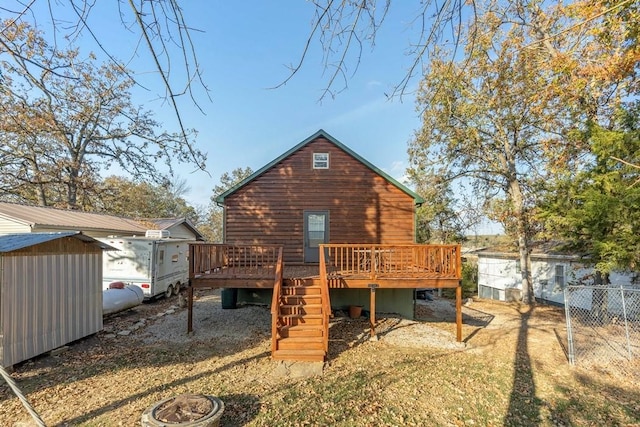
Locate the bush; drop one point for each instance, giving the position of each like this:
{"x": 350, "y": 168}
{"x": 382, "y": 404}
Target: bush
{"x": 469, "y": 282}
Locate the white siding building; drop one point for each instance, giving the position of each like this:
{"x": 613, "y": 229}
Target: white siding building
{"x": 499, "y": 275}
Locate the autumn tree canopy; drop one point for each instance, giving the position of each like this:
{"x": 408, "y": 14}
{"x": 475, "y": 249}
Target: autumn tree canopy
{"x": 516, "y": 108}
{"x": 213, "y": 227}
{"x": 159, "y": 27}
{"x": 72, "y": 119}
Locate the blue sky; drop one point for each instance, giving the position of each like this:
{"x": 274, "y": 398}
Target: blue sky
{"x": 244, "y": 50}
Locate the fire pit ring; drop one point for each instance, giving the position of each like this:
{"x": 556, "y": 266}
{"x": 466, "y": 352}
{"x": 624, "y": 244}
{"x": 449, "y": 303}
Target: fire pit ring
{"x": 185, "y": 410}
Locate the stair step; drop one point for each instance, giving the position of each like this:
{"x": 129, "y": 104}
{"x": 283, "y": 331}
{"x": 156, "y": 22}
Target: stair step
{"x": 301, "y": 290}
{"x": 301, "y": 335}
{"x": 299, "y": 355}
{"x": 301, "y": 343}
{"x": 301, "y": 299}
{"x": 301, "y": 309}
{"x": 301, "y": 331}
{"x": 299, "y": 319}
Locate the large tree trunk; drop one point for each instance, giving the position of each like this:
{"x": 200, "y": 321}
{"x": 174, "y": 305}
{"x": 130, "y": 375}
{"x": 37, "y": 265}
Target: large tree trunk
{"x": 600, "y": 299}
{"x": 72, "y": 190}
{"x": 524, "y": 249}
{"x": 42, "y": 197}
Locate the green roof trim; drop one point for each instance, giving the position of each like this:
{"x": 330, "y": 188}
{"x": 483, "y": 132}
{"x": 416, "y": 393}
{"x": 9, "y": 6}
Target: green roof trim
{"x": 321, "y": 133}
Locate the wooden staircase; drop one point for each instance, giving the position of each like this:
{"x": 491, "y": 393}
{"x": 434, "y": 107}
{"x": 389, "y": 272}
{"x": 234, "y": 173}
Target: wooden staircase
{"x": 300, "y": 322}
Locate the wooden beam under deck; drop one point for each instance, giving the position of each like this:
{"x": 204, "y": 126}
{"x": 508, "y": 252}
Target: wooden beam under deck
{"x": 218, "y": 282}
{"x": 345, "y": 282}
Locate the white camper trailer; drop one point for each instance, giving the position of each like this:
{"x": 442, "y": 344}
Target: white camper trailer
{"x": 156, "y": 263}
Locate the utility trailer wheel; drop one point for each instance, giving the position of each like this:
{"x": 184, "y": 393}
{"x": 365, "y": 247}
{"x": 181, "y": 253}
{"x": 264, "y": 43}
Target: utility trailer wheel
{"x": 168, "y": 292}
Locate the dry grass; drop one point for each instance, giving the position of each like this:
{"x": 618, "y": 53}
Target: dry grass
{"x": 513, "y": 371}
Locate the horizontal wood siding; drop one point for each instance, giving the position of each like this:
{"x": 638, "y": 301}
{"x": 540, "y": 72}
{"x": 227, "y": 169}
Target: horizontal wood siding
{"x": 363, "y": 206}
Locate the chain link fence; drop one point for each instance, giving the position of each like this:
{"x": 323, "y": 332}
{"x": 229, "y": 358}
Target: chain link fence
{"x": 603, "y": 328}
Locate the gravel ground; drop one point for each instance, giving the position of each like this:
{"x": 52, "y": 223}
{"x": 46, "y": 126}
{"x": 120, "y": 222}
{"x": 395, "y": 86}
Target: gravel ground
{"x": 165, "y": 321}
{"x": 210, "y": 321}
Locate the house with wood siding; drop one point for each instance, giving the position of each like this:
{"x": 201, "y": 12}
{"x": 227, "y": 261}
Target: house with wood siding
{"x": 320, "y": 191}
{"x": 318, "y": 229}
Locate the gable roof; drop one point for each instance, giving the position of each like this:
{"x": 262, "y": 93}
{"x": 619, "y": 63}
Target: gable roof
{"x": 167, "y": 223}
{"x": 13, "y": 242}
{"x": 38, "y": 216}
{"x": 321, "y": 133}
{"x": 539, "y": 250}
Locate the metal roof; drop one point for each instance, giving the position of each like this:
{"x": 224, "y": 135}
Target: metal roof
{"x": 37, "y": 216}
{"x": 321, "y": 133}
{"x": 13, "y": 242}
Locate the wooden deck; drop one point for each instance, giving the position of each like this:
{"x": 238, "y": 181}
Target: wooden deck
{"x": 345, "y": 266}
{"x": 341, "y": 266}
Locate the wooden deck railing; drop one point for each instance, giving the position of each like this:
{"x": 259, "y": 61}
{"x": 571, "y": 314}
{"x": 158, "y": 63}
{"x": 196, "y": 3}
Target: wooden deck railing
{"x": 326, "y": 302}
{"x": 275, "y": 302}
{"x": 375, "y": 261}
{"x": 211, "y": 259}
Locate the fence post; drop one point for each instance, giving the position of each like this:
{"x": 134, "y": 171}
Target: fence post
{"x": 626, "y": 321}
{"x": 567, "y": 311}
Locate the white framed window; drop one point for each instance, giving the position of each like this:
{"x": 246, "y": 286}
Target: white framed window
{"x": 321, "y": 160}
{"x": 559, "y": 277}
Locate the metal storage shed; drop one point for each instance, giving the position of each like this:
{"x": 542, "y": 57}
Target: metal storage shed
{"x": 50, "y": 292}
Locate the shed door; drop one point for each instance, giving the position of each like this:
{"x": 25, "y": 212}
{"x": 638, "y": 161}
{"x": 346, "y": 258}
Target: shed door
{"x": 316, "y": 231}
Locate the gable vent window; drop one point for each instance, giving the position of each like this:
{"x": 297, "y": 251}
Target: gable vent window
{"x": 321, "y": 160}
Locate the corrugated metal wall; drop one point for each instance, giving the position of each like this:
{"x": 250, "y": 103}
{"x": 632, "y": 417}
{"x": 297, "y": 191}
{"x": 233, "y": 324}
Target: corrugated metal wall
{"x": 48, "y": 300}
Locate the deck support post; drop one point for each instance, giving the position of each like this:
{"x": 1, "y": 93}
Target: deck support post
{"x": 372, "y": 309}
{"x": 459, "y": 312}
{"x": 190, "y": 310}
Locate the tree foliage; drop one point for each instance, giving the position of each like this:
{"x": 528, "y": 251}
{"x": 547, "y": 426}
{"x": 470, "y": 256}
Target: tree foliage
{"x": 486, "y": 120}
{"x": 213, "y": 228}
{"x": 445, "y": 217}
{"x": 73, "y": 119}
{"x": 595, "y": 210}
{"x": 123, "y": 197}
{"x": 159, "y": 25}
{"x": 513, "y": 112}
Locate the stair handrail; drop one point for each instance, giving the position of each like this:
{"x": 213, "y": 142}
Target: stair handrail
{"x": 324, "y": 292}
{"x": 275, "y": 302}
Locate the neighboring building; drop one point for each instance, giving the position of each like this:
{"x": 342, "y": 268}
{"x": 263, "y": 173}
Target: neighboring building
{"x": 499, "y": 274}
{"x": 16, "y": 218}
{"x": 50, "y": 292}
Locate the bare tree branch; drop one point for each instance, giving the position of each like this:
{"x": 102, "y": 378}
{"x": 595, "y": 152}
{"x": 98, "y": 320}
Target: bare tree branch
{"x": 343, "y": 28}
{"x": 160, "y": 23}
